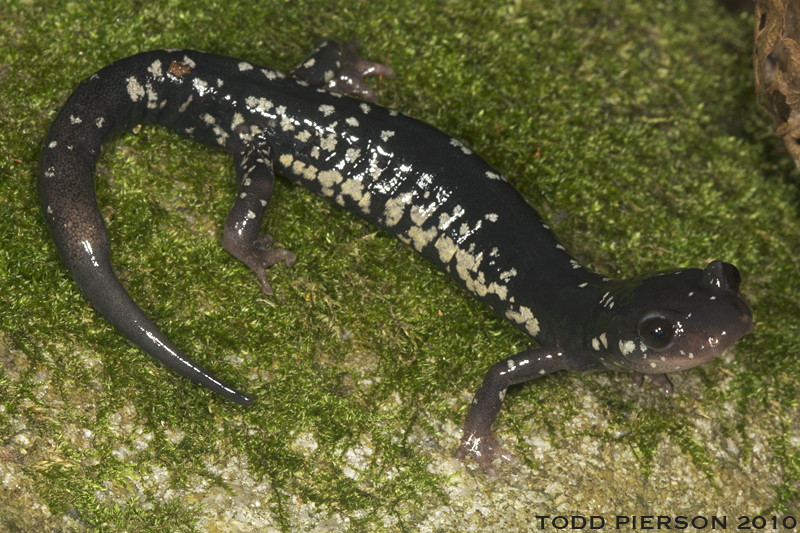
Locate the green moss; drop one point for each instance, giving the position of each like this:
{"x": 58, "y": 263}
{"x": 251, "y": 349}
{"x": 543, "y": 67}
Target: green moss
{"x": 631, "y": 127}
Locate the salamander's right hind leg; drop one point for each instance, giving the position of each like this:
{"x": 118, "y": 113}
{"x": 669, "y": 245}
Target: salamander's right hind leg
{"x": 341, "y": 71}
{"x": 242, "y": 238}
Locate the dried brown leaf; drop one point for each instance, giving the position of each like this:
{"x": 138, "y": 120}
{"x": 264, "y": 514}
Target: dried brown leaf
{"x": 776, "y": 60}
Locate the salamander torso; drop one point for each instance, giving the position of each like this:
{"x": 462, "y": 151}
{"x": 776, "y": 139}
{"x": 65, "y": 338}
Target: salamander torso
{"x": 406, "y": 177}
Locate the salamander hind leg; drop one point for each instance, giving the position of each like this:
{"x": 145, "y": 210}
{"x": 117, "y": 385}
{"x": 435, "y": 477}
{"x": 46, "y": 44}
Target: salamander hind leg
{"x": 341, "y": 71}
{"x": 242, "y": 238}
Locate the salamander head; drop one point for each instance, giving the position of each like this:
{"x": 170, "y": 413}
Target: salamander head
{"x": 674, "y": 320}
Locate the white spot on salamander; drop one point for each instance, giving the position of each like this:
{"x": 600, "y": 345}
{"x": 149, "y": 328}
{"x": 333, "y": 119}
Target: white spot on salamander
{"x": 135, "y": 89}
{"x": 245, "y": 66}
{"x": 327, "y": 110}
{"x": 200, "y": 86}
{"x": 459, "y": 144}
{"x": 524, "y": 316}
{"x": 259, "y": 105}
{"x": 627, "y": 347}
{"x": 352, "y": 154}
{"x": 184, "y": 105}
{"x": 351, "y": 121}
{"x": 386, "y": 135}
{"x": 494, "y": 176}
{"x": 508, "y": 274}
{"x": 238, "y": 119}
{"x": 155, "y": 68}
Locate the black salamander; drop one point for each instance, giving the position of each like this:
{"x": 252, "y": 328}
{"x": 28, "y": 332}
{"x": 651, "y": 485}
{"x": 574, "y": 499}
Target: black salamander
{"x": 406, "y": 177}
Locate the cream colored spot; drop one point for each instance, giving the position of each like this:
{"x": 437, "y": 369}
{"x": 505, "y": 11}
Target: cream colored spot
{"x": 184, "y": 105}
{"x": 365, "y": 203}
{"x": 421, "y": 238}
{"x": 353, "y": 188}
{"x": 287, "y": 124}
{"x": 135, "y": 89}
{"x": 446, "y": 219}
{"x": 524, "y": 316}
{"x": 286, "y": 160}
{"x": 505, "y": 276}
{"x": 459, "y": 144}
{"x": 627, "y": 347}
{"x": 238, "y": 120}
{"x": 419, "y": 214}
{"x": 395, "y": 208}
{"x": 308, "y": 172}
{"x": 259, "y": 105}
{"x": 446, "y": 247}
{"x": 155, "y": 68}
{"x": 327, "y": 110}
{"x": 329, "y": 178}
{"x": 328, "y": 142}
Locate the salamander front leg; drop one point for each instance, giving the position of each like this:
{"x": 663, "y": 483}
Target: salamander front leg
{"x": 242, "y": 239}
{"x": 658, "y": 379}
{"x": 478, "y": 440}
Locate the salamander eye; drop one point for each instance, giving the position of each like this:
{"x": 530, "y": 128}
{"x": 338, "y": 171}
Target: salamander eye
{"x": 656, "y": 330}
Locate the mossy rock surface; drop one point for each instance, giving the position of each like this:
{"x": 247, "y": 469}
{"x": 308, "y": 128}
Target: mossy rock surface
{"x": 632, "y": 128}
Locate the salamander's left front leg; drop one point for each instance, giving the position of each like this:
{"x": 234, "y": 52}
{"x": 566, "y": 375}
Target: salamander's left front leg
{"x": 242, "y": 239}
{"x": 478, "y": 440}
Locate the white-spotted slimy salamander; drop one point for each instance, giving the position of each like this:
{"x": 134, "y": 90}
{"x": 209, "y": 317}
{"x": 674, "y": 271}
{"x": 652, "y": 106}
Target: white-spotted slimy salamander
{"x": 406, "y": 177}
